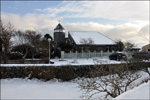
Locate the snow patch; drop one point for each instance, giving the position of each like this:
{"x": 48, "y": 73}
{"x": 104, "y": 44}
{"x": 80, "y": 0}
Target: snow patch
{"x": 141, "y": 92}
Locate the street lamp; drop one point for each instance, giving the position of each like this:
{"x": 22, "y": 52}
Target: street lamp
{"x": 49, "y": 40}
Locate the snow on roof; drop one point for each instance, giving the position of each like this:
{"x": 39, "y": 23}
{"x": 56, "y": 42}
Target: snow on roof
{"x": 97, "y": 37}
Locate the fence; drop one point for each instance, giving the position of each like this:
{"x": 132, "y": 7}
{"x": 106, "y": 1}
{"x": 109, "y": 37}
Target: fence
{"x": 78, "y": 55}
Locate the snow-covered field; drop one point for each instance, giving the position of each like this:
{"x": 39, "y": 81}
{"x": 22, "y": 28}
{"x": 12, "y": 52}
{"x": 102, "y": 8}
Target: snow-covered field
{"x": 54, "y": 89}
{"x": 61, "y": 62}
{"x": 35, "y": 89}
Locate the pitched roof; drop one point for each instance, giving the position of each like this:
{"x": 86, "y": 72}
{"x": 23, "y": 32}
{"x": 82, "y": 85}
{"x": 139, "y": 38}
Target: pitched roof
{"x": 97, "y": 37}
{"x": 59, "y": 26}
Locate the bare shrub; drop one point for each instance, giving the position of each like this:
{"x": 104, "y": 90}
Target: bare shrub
{"x": 114, "y": 81}
{"x": 139, "y": 64}
{"x": 43, "y": 73}
{"x": 145, "y": 80}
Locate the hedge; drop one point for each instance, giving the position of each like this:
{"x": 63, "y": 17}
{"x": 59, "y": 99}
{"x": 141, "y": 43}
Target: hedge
{"x": 65, "y": 73}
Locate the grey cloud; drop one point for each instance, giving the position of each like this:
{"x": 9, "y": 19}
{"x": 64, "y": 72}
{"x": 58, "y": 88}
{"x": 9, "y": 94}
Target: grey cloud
{"x": 46, "y": 23}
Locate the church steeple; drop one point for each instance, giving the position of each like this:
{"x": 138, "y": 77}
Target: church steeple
{"x": 59, "y": 34}
{"x": 59, "y": 28}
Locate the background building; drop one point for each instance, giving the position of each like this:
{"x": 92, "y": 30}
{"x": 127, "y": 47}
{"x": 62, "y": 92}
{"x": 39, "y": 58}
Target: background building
{"x": 84, "y": 40}
{"x": 91, "y": 41}
{"x": 146, "y": 47}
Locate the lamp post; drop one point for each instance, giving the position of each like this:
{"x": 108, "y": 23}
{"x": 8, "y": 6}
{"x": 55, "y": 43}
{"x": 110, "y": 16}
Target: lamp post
{"x": 49, "y": 40}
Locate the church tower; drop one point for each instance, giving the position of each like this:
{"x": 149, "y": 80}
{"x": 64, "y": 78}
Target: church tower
{"x": 59, "y": 34}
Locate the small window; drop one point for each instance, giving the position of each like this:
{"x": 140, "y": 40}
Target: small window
{"x": 61, "y": 30}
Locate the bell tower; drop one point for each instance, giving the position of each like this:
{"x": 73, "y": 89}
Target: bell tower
{"x": 59, "y": 34}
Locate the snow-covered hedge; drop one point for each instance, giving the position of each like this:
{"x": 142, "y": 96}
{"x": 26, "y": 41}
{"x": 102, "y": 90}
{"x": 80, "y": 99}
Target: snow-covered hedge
{"x": 65, "y": 73}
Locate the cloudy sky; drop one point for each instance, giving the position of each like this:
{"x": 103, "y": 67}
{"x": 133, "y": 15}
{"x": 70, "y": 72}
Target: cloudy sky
{"x": 125, "y": 20}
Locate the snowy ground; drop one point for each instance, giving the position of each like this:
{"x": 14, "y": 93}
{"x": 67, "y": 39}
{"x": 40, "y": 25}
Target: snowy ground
{"x": 141, "y": 92}
{"x": 35, "y": 89}
{"x": 61, "y": 62}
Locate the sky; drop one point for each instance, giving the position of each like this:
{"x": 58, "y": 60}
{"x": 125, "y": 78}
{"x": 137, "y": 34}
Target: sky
{"x": 119, "y": 20}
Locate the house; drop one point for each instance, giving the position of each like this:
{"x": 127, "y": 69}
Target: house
{"x": 146, "y": 47}
{"x": 84, "y": 40}
{"x": 91, "y": 41}
{"x": 135, "y": 49}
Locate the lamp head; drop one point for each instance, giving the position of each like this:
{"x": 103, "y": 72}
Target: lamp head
{"x": 49, "y": 39}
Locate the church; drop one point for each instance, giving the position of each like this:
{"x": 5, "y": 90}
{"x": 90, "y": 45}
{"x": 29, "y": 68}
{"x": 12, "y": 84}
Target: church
{"x": 84, "y": 41}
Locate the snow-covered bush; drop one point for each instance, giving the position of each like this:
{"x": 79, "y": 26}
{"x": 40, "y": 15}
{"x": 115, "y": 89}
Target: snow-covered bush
{"x": 64, "y": 73}
{"x": 113, "y": 81}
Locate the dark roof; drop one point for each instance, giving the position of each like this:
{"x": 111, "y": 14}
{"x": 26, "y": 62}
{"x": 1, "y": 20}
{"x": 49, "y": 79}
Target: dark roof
{"x": 59, "y": 26}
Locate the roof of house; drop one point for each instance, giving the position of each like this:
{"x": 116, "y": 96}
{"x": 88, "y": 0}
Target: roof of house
{"x": 97, "y": 37}
{"x": 59, "y": 26}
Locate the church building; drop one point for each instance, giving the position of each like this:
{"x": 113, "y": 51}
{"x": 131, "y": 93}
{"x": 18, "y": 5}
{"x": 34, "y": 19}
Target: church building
{"x": 84, "y": 41}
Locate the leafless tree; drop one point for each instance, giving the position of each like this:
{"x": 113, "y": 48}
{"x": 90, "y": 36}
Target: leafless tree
{"x": 87, "y": 42}
{"x": 144, "y": 34}
{"x": 128, "y": 45}
{"x": 22, "y": 39}
{"x": 6, "y": 34}
{"x": 113, "y": 82}
{"x": 31, "y": 39}
{"x": 34, "y": 40}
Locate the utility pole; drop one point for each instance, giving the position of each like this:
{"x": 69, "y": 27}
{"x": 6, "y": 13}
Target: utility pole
{"x": 49, "y": 40}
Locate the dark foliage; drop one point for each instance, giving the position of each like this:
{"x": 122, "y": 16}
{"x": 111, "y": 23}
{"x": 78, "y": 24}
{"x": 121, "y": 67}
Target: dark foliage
{"x": 65, "y": 73}
{"x": 66, "y": 46}
{"x": 21, "y": 49}
{"x": 120, "y": 45}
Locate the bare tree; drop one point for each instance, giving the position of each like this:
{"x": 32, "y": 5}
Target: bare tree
{"x": 113, "y": 82}
{"x": 128, "y": 45}
{"x": 22, "y": 39}
{"x": 34, "y": 40}
{"x": 143, "y": 33}
{"x": 87, "y": 42}
{"x": 0, "y": 49}
{"x": 1, "y": 42}
{"x": 6, "y": 34}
